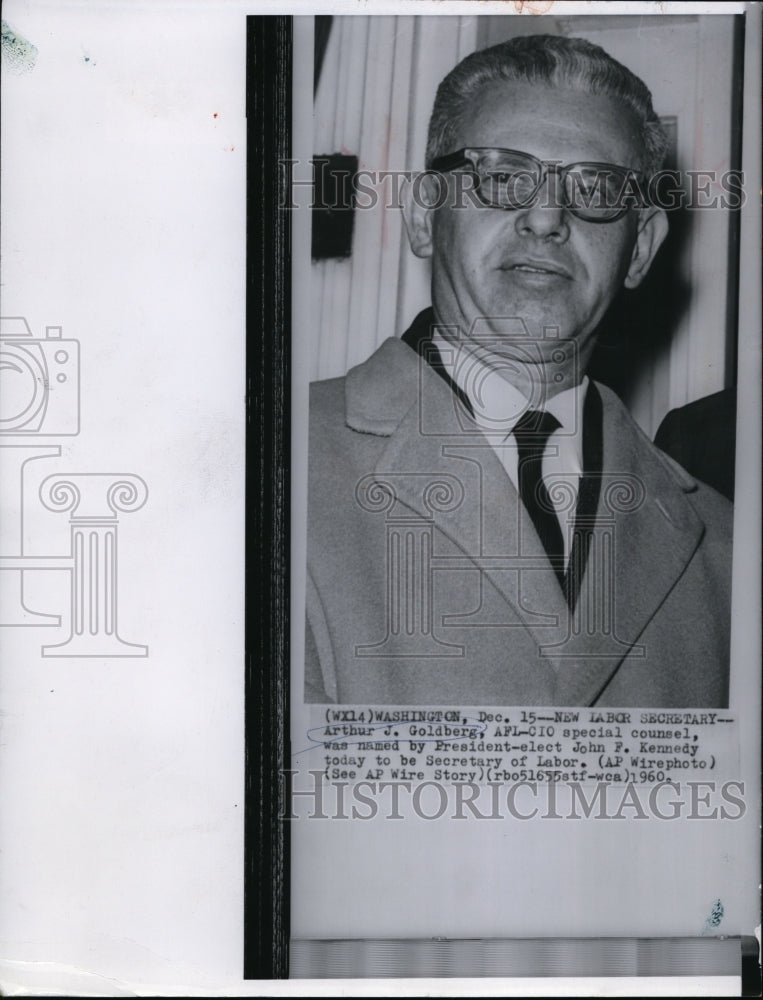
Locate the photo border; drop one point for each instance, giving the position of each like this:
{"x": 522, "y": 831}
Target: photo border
{"x": 268, "y": 350}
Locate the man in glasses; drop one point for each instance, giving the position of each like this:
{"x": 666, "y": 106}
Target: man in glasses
{"x": 487, "y": 525}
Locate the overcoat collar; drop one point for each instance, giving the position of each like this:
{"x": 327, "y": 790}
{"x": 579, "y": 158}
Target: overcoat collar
{"x": 646, "y": 529}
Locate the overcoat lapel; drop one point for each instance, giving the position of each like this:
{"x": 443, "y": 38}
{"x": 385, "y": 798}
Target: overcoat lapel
{"x": 645, "y": 532}
{"x": 441, "y": 467}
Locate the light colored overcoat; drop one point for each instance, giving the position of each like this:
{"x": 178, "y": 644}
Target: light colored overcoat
{"x": 427, "y": 583}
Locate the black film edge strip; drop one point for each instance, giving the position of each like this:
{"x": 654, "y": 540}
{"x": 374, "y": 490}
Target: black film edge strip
{"x": 268, "y": 320}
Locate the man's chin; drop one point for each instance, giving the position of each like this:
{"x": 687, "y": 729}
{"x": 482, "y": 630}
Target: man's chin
{"x": 538, "y": 320}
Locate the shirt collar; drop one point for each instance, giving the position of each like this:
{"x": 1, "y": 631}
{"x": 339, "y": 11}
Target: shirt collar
{"x": 567, "y": 406}
{"x": 498, "y": 403}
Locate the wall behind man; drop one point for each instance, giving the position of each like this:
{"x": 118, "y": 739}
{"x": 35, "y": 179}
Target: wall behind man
{"x": 377, "y": 85}
{"x": 665, "y": 345}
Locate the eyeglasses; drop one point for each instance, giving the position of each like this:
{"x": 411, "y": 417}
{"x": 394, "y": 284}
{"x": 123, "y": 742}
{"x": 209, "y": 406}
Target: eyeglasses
{"x": 509, "y": 179}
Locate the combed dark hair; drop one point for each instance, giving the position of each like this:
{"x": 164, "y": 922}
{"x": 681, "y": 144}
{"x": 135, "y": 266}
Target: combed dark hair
{"x": 547, "y": 59}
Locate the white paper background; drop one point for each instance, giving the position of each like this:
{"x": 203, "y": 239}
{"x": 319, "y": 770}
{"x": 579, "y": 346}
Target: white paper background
{"x": 123, "y": 182}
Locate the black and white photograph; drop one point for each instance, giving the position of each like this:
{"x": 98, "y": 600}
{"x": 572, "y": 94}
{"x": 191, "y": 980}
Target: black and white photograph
{"x": 489, "y": 518}
{"x": 522, "y": 352}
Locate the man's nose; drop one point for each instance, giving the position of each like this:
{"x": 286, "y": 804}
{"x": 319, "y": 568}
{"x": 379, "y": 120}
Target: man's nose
{"x": 546, "y": 218}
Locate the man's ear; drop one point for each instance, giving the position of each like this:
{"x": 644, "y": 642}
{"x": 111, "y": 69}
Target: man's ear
{"x": 652, "y": 230}
{"x": 418, "y": 196}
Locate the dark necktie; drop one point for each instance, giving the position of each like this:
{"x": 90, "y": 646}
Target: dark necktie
{"x": 532, "y": 432}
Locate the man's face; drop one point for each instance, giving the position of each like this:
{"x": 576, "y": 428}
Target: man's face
{"x": 541, "y": 263}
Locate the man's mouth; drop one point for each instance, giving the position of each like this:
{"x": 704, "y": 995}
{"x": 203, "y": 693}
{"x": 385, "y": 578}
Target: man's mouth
{"x": 537, "y": 267}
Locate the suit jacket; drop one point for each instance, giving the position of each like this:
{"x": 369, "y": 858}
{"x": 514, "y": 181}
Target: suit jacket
{"x": 701, "y": 437}
{"x": 427, "y": 583}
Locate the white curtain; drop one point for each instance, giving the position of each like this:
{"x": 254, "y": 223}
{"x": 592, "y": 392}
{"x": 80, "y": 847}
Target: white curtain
{"x": 375, "y": 96}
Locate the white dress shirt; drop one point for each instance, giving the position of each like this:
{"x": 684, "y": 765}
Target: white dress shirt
{"x": 498, "y": 404}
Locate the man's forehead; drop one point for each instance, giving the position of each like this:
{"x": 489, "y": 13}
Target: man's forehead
{"x": 562, "y": 122}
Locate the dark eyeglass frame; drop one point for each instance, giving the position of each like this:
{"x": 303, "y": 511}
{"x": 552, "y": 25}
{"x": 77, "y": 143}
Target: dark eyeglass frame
{"x": 462, "y": 157}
